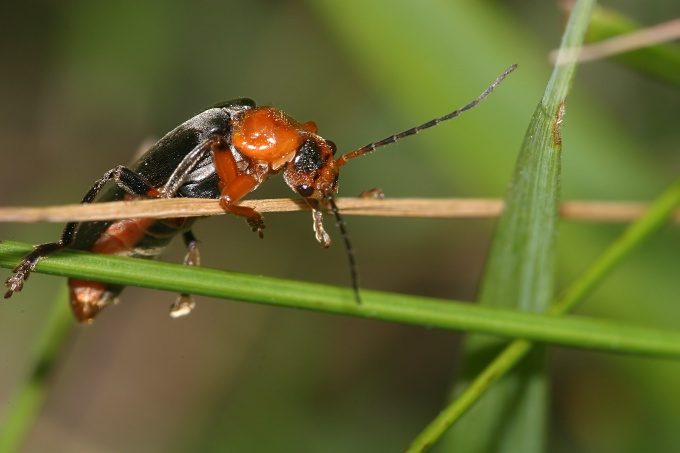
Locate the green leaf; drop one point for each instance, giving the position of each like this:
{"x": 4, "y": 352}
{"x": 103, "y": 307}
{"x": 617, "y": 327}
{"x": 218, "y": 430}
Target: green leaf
{"x": 520, "y": 272}
{"x": 415, "y": 310}
{"x": 22, "y": 410}
{"x": 421, "y": 311}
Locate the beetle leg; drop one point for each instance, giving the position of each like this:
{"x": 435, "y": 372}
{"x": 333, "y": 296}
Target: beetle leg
{"x": 28, "y": 263}
{"x": 127, "y": 179}
{"x": 319, "y": 231}
{"x": 234, "y": 186}
{"x": 182, "y": 171}
{"x": 232, "y": 194}
{"x": 185, "y": 303}
{"x": 376, "y": 194}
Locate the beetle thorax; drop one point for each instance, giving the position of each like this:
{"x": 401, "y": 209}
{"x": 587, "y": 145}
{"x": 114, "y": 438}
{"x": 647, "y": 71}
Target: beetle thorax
{"x": 267, "y": 134}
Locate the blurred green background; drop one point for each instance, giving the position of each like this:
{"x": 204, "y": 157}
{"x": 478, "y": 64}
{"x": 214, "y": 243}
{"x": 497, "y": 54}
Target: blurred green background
{"x": 85, "y": 84}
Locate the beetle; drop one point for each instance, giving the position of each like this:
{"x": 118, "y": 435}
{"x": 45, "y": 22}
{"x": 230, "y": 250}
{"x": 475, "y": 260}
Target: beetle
{"x": 224, "y": 152}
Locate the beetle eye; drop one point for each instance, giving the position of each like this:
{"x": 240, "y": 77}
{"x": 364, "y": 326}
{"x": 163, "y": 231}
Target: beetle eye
{"x": 333, "y": 146}
{"x": 305, "y": 190}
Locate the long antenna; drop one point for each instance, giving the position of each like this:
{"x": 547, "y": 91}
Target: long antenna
{"x": 342, "y": 160}
{"x": 354, "y": 275}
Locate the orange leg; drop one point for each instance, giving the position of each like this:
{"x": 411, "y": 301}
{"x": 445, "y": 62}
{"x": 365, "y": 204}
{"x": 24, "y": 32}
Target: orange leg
{"x": 234, "y": 186}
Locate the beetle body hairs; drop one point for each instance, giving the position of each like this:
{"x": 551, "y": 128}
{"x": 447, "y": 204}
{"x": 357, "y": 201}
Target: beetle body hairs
{"x": 224, "y": 152}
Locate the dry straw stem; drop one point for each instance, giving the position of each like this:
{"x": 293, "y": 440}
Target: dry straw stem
{"x": 401, "y": 207}
{"x": 657, "y": 34}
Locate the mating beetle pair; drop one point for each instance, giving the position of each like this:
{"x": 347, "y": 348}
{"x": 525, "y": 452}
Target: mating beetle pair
{"x": 224, "y": 152}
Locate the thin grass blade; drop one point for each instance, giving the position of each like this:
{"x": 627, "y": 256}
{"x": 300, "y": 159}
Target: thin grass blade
{"x": 512, "y": 416}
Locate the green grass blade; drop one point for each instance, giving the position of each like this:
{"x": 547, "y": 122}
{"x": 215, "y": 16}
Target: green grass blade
{"x": 22, "y": 410}
{"x": 421, "y": 311}
{"x": 520, "y": 272}
{"x": 658, "y": 215}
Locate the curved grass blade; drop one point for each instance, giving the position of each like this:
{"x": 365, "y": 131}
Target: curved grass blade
{"x": 512, "y": 416}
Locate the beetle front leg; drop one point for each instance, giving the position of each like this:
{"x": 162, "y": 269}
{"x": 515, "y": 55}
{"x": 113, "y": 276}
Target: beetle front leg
{"x": 234, "y": 186}
{"x": 127, "y": 179}
{"x": 319, "y": 232}
{"x": 232, "y": 194}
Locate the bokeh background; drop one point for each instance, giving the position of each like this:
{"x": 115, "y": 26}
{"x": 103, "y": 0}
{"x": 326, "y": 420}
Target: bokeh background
{"x": 85, "y": 84}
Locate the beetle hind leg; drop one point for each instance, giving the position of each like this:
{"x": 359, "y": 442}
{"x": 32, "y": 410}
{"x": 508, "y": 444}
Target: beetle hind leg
{"x": 15, "y": 283}
{"x": 185, "y": 303}
{"x": 124, "y": 177}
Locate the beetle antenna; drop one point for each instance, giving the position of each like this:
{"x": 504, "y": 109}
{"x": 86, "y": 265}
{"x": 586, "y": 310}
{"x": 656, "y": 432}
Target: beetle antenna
{"x": 342, "y": 160}
{"x": 354, "y": 275}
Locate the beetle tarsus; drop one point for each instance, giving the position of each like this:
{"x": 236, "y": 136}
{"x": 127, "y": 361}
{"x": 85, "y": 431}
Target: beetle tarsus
{"x": 372, "y": 194}
{"x": 321, "y": 235}
{"x": 23, "y": 270}
{"x": 16, "y": 282}
{"x": 184, "y": 305}
{"x": 256, "y": 224}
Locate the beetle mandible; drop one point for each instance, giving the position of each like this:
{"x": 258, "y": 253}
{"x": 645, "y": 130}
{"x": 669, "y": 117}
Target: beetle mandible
{"x": 224, "y": 152}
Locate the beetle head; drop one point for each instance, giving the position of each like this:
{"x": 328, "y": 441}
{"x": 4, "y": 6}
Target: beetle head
{"x": 312, "y": 173}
